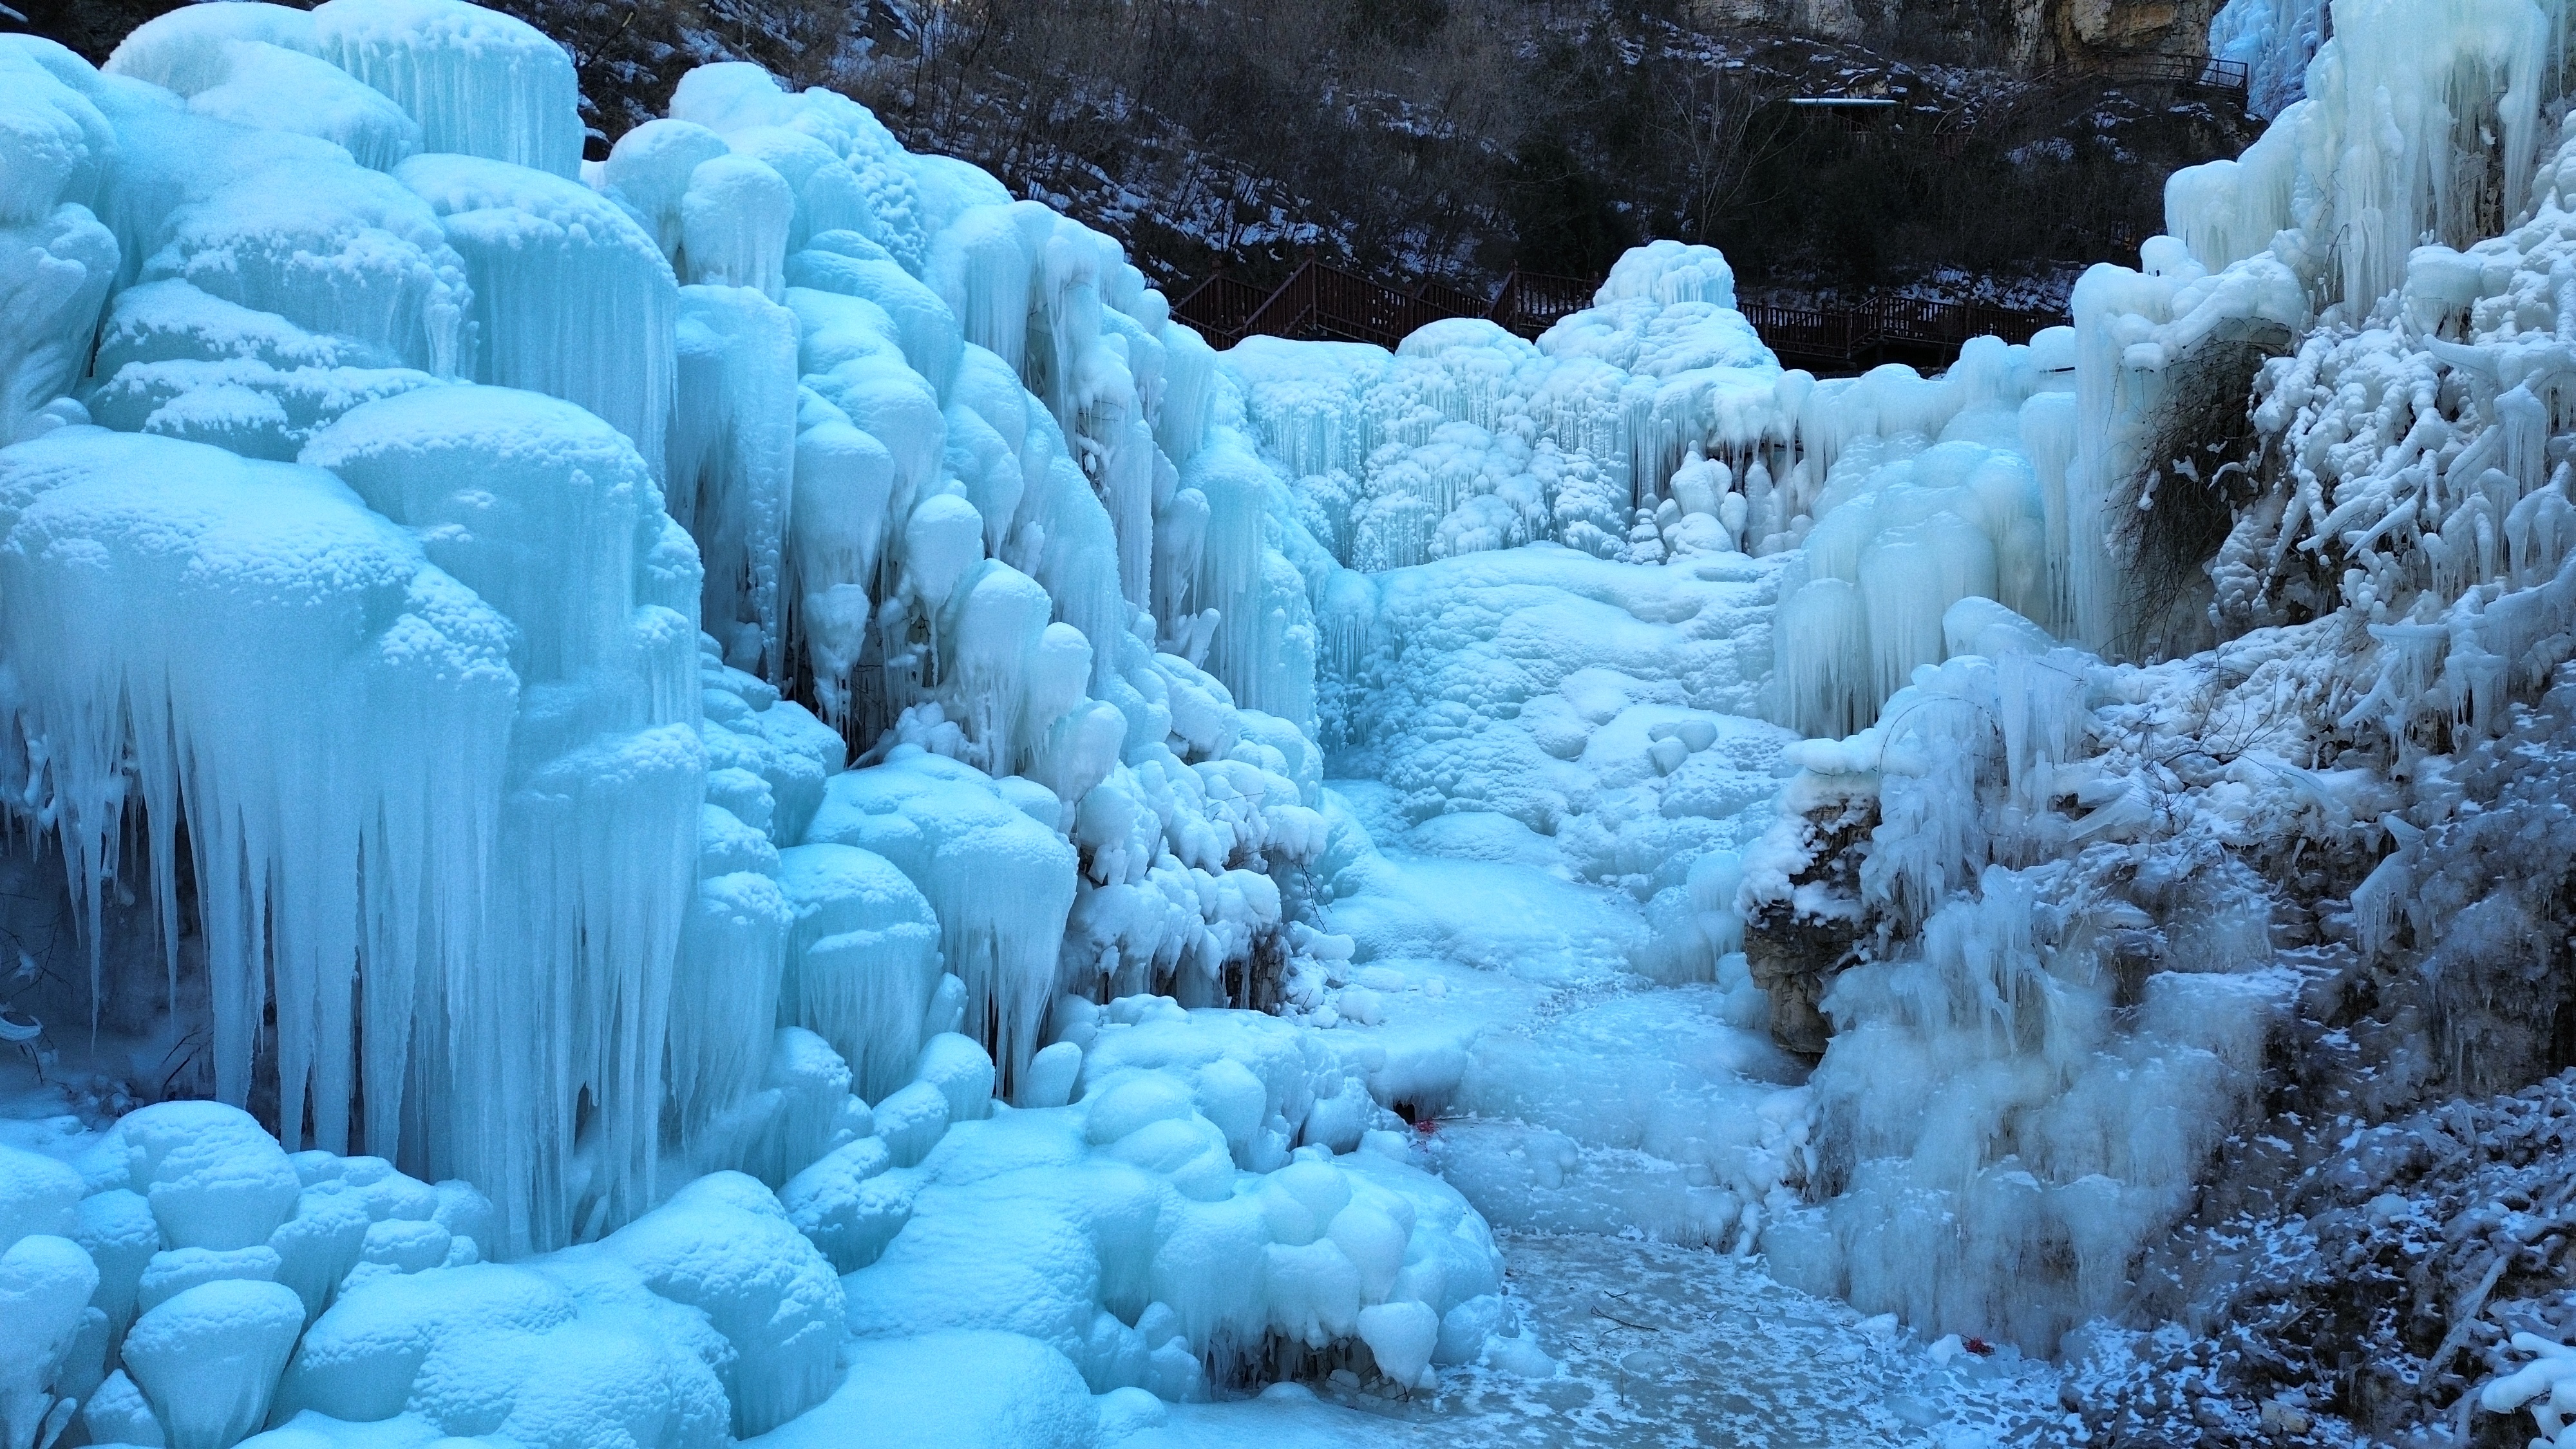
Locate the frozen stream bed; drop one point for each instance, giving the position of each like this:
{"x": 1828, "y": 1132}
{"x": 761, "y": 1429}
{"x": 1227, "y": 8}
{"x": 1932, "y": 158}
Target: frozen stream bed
{"x": 1560, "y": 1090}
{"x": 1668, "y": 1346}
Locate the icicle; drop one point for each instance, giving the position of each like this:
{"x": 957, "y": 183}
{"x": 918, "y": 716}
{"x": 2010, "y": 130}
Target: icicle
{"x": 999, "y": 882}
{"x": 331, "y": 843}
{"x": 733, "y": 456}
{"x": 1821, "y": 659}
{"x": 862, "y": 960}
{"x": 480, "y": 83}
{"x": 570, "y": 297}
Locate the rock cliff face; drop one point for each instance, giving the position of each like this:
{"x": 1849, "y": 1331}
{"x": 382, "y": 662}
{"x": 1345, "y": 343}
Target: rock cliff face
{"x": 2077, "y": 31}
{"x": 1834, "y": 19}
{"x": 2023, "y": 35}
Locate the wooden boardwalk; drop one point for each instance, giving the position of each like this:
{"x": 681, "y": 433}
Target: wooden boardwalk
{"x": 1321, "y": 302}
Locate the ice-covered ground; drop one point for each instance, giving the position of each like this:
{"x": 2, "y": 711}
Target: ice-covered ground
{"x": 1556, "y": 1088}
{"x": 1669, "y": 1346}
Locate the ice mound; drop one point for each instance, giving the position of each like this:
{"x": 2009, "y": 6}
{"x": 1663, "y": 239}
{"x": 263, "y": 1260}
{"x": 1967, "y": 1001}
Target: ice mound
{"x": 708, "y": 1316}
{"x": 1469, "y": 439}
{"x": 1168, "y": 1230}
{"x": 977, "y": 1389}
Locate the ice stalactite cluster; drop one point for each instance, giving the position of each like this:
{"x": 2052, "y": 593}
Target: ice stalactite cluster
{"x": 2033, "y": 893}
{"x": 2274, "y": 40}
{"x": 2413, "y": 447}
{"x": 158, "y": 587}
{"x": 422, "y": 558}
{"x": 494, "y": 375}
{"x": 2054, "y": 992}
{"x": 2422, "y": 460}
{"x": 1468, "y": 439}
{"x": 1654, "y": 426}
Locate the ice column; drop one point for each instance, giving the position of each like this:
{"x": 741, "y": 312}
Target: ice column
{"x": 554, "y": 1103}
{"x": 325, "y": 709}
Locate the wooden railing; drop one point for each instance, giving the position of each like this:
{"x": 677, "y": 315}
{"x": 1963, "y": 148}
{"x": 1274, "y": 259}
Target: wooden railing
{"x": 1219, "y": 306}
{"x": 1320, "y": 302}
{"x": 1531, "y": 302}
{"x": 2233, "y": 77}
{"x": 1884, "y": 329}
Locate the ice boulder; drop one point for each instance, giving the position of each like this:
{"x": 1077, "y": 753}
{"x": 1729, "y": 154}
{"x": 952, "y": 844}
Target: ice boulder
{"x": 38, "y": 1194}
{"x": 961, "y": 1072}
{"x": 175, "y": 1272}
{"x": 57, "y": 261}
{"x": 209, "y": 1359}
{"x": 1401, "y": 1336}
{"x": 959, "y": 1389}
{"x": 186, "y": 51}
{"x": 273, "y": 88}
{"x": 649, "y": 169}
{"x": 734, "y": 221}
{"x": 365, "y": 1358}
{"x": 213, "y": 1175}
{"x": 862, "y": 960}
{"x": 117, "y": 1413}
{"x": 846, "y": 1206}
{"x": 45, "y": 1287}
{"x": 911, "y": 1121}
{"x": 318, "y": 1246}
{"x": 55, "y": 271}
{"x": 723, "y": 1246}
{"x": 116, "y": 1228}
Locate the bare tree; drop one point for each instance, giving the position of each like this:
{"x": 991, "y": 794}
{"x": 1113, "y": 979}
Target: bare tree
{"x": 1720, "y": 125}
